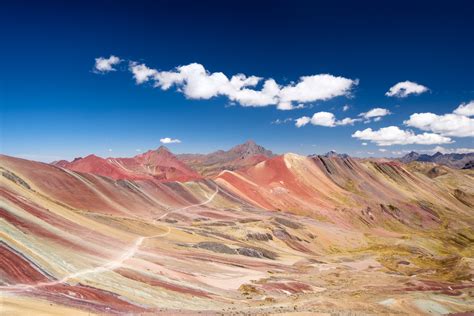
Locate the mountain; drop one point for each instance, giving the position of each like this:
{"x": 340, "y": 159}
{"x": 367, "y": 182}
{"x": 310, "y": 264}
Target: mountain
{"x": 159, "y": 164}
{"x": 412, "y": 156}
{"x": 331, "y": 154}
{"x": 61, "y": 163}
{"x": 240, "y": 156}
{"x": 279, "y": 236}
{"x": 451, "y": 160}
{"x": 273, "y": 226}
{"x": 305, "y": 185}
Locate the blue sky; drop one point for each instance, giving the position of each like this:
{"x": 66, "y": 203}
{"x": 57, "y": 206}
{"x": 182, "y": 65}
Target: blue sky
{"x": 54, "y": 104}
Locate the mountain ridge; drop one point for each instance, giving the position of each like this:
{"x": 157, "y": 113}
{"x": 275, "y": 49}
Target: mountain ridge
{"x": 453, "y": 160}
{"x": 159, "y": 164}
{"x": 283, "y": 222}
{"x": 237, "y": 157}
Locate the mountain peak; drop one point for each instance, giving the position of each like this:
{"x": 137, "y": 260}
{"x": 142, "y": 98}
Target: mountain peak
{"x": 449, "y": 159}
{"x": 163, "y": 149}
{"x": 159, "y": 164}
{"x": 251, "y": 148}
{"x": 238, "y": 157}
{"x": 250, "y": 142}
{"x": 411, "y": 156}
{"x": 333, "y": 153}
{"x": 92, "y": 157}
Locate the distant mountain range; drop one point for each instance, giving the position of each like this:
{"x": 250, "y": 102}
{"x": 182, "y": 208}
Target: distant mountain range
{"x": 459, "y": 161}
{"x": 162, "y": 165}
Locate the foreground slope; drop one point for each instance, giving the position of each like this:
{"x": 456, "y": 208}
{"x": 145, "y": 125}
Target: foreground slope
{"x": 289, "y": 234}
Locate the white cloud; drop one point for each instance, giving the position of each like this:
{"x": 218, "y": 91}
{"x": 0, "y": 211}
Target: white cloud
{"x": 195, "y": 82}
{"x": 375, "y": 112}
{"x": 346, "y": 107}
{"x": 393, "y": 135}
{"x": 382, "y": 150}
{"x": 447, "y": 124}
{"x": 168, "y": 140}
{"x": 457, "y": 124}
{"x": 103, "y": 65}
{"x": 405, "y": 88}
{"x": 466, "y": 109}
{"x": 347, "y": 121}
{"x": 364, "y": 144}
{"x": 141, "y": 72}
{"x": 326, "y": 119}
{"x": 316, "y": 87}
{"x": 302, "y": 121}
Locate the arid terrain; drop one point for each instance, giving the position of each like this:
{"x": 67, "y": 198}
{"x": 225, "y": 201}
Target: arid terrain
{"x": 242, "y": 231}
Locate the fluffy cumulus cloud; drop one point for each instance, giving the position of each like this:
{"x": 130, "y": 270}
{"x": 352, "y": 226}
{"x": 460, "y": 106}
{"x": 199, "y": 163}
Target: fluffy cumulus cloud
{"x": 168, "y": 140}
{"x": 141, "y": 73}
{"x": 302, "y": 121}
{"x": 103, "y": 65}
{"x": 347, "y": 121}
{"x": 465, "y": 109}
{"x": 314, "y": 88}
{"x": 458, "y": 124}
{"x": 393, "y": 135}
{"x": 196, "y": 82}
{"x": 326, "y": 119}
{"x": 376, "y": 112}
{"x": 405, "y": 88}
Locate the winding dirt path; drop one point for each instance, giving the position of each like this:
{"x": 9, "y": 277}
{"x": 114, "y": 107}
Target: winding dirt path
{"x": 111, "y": 265}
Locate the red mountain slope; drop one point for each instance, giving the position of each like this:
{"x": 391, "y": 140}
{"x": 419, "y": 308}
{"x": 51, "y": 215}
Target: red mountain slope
{"x": 159, "y": 164}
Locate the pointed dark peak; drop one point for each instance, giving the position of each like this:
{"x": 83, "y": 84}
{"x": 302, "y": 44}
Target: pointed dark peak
{"x": 411, "y": 156}
{"x": 250, "y": 148}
